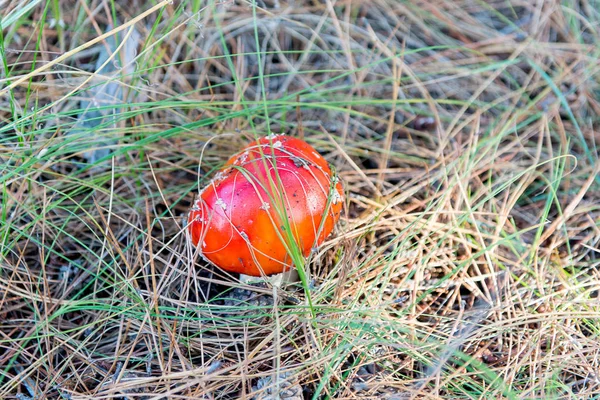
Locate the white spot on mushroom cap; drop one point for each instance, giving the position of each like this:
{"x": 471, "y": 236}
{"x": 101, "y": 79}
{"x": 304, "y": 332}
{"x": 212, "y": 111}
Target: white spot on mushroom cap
{"x": 265, "y": 206}
{"x": 219, "y": 176}
{"x": 336, "y": 197}
{"x": 221, "y": 203}
{"x": 242, "y": 158}
{"x": 273, "y": 135}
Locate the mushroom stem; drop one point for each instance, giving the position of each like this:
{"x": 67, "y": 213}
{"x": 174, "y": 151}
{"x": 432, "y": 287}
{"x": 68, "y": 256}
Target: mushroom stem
{"x": 278, "y": 280}
{"x": 249, "y": 279}
{"x": 285, "y": 278}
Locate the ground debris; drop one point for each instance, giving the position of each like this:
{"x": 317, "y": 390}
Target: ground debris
{"x": 284, "y": 389}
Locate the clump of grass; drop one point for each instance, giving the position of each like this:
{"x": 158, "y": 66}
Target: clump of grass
{"x": 465, "y": 266}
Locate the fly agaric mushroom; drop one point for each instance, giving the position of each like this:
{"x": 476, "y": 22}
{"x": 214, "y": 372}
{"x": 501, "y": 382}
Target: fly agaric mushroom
{"x": 276, "y": 190}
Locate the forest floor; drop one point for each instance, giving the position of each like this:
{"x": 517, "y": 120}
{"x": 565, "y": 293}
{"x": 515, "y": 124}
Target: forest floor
{"x": 466, "y": 261}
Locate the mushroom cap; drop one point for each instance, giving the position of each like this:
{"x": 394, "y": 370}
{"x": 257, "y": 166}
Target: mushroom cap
{"x": 275, "y": 185}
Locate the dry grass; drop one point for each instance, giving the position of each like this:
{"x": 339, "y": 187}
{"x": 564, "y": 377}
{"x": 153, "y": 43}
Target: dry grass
{"x": 466, "y": 134}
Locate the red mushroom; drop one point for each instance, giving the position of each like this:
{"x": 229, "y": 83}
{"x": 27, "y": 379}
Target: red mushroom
{"x": 276, "y": 190}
